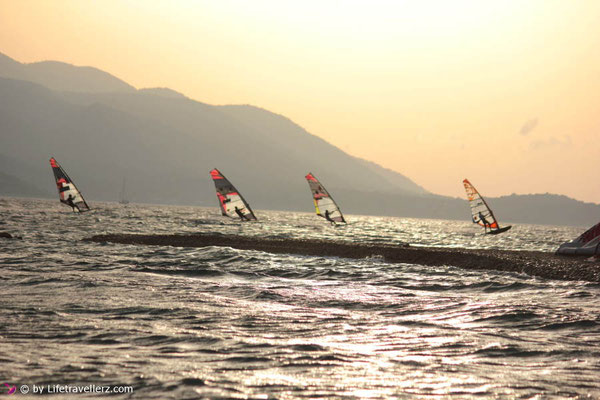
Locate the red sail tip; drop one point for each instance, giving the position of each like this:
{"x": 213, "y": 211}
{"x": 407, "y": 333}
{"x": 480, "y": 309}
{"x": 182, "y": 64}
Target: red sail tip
{"x": 215, "y": 174}
{"x": 310, "y": 177}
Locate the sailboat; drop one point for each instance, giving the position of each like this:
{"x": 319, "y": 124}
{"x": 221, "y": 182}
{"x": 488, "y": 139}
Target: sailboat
{"x": 325, "y": 206}
{"x": 67, "y": 191}
{"x": 231, "y": 202}
{"x": 481, "y": 212}
{"x": 122, "y": 198}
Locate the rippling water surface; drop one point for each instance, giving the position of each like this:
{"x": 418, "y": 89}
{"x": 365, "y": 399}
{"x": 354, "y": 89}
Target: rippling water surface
{"x": 223, "y": 323}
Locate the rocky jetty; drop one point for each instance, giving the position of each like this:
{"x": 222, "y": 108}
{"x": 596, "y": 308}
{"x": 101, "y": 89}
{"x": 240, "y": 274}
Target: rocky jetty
{"x": 536, "y": 263}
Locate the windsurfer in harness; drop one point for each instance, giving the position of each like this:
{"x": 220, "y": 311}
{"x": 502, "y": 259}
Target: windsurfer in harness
{"x": 69, "y": 202}
{"x": 241, "y": 214}
{"x": 328, "y": 218}
{"x": 484, "y": 221}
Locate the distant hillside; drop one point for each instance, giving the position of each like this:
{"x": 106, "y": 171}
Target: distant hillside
{"x": 546, "y": 208}
{"x": 63, "y": 77}
{"x": 164, "y": 92}
{"x": 102, "y": 130}
{"x": 16, "y": 187}
{"x": 328, "y": 162}
{"x": 165, "y": 146}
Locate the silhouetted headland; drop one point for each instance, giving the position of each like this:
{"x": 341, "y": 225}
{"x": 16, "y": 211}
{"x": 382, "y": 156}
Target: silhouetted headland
{"x": 536, "y": 263}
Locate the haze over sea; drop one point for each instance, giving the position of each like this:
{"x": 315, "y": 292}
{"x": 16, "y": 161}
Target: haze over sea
{"x": 216, "y": 322}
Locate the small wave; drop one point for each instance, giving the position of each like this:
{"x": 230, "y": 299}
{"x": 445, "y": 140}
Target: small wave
{"x": 580, "y": 294}
{"x": 38, "y": 281}
{"x": 505, "y": 287}
{"x": 37, "y": 312}
{"x": 204, "y": 221}
{"x": 416, "y": 324}
{"x": 154, "y": 340}
{"x": 507, "y": 351}
{"x": 268, "y": 295}
{"x": 352, "y": 305}
{"x": 192, "y": 382}
{"x": 314, "y": 361}
{"x": 581, "y": 324}
{"x": 88, "y": 285}
{"x": 78, "y": 369}
{"x": 308, "y": 347}
{"x": 105, "y": 339}
{"x": 511, "y": 317}
{"x": 247, "y": 359}
{"x": 181, "y": 272}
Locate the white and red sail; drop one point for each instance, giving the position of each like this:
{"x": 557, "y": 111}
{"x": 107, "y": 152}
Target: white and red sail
{"x": 231, "y": 202}
{"x": 325, "y": 206}
{"x": 481, "y": 213}
{"x": 67, "y": 191}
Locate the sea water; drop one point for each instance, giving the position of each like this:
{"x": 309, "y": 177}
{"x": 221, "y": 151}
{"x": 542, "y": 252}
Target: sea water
{"x": 160, "y": 322}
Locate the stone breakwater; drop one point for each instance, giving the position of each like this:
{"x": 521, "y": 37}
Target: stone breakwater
{"x": 536, "y": 263}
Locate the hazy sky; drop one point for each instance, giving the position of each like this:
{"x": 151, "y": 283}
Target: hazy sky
{"x": 506, "y": 93}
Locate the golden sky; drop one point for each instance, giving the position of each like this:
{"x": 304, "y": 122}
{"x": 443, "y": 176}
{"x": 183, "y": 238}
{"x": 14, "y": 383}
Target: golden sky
{"x": 506, "y": 93}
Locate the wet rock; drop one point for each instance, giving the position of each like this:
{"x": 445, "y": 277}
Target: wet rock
{"x": 537, "y": 263}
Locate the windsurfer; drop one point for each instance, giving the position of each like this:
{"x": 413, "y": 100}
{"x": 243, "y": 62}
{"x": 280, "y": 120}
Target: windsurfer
{"x": 69, "y": 202}
{"x": 241, "y": 214}
{"x": 484, "y": 221}
{"x": 328, "y": 218}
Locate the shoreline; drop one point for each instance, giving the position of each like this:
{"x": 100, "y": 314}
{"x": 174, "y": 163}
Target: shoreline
{"x": 535, "y": 263}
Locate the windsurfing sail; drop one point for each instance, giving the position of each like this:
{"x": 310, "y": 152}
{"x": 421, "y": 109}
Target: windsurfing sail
{"x": 481, "y": 213}
{"x": 586, "y": 244}
{"x": 67, "y": 191}
{"x": 324, "y": 203}
{"x": 231, "y": 202}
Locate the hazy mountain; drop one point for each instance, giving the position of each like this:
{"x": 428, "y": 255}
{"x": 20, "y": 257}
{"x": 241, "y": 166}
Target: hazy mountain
{"x": 546, "y": 208}
{"x": 166, "y": 146}
{"x": 15, "y": 187}
{"x": 102, "y": 130}
{"x": 164, "y": 92}
{"x": 63, "y": 77}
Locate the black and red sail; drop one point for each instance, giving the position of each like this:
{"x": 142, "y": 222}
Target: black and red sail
{"x": 231, "y": 202}
{"x": 67, "y": 191}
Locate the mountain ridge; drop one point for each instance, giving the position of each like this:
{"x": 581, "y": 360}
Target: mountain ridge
{"x": 60, "y": 76}
{"x": 165, "y": 144}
